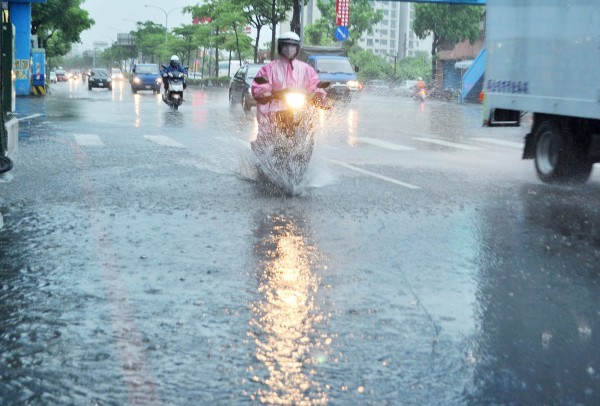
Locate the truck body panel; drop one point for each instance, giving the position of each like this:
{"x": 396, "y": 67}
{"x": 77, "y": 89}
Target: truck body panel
{"x": 543, "y": 56}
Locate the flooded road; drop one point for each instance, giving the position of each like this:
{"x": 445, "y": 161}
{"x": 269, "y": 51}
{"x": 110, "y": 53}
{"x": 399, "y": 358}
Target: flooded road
{"x": 143, "y": 263}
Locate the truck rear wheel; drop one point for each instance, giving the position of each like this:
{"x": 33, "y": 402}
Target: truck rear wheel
{"x": 558, "y": 158}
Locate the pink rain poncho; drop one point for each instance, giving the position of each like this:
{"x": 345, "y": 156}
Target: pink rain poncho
{"x": 282, "y": 75}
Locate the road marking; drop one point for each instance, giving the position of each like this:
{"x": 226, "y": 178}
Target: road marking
{"x": 88, "y": 139}
{"x": 447, "y": 144}
{"x": 375, "y": 175}
{"x": 503, "y": 143}
{"x": 164, "y": 140}
{"x": 30, "y": 117}
{"x": 384, "y": 144}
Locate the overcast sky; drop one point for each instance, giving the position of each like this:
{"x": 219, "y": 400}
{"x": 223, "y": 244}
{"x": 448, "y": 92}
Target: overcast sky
{"x": 119, "y": 16}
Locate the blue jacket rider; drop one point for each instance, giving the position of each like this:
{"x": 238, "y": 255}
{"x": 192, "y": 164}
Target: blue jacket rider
{"x": 174, "y": 66}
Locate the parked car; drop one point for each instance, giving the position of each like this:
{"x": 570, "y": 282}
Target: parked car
{"x": 116, "y": 74}
{"x": 146, "y": 76}
{"x": 240, "y": 86}
{"x": 53, "y": 78}
{"x": 61, "y": 76}
{"x": 99, "y": 78}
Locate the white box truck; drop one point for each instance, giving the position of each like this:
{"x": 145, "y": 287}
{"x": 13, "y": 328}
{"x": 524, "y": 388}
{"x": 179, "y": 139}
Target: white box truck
{"x": 543, "y": 58}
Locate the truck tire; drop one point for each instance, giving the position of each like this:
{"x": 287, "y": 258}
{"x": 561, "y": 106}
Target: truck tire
{"x": 558, "y": 159}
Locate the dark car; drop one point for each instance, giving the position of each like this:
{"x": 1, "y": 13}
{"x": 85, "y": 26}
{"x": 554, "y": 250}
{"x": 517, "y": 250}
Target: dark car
{"x": 241, "y": 85}
{"x": 146, "y": 76}
{"x": 99, "y": 78}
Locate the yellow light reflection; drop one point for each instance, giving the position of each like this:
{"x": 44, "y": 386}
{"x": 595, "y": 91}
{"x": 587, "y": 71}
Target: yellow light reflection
{"x": 352, "y": 127}
{"x": 117, "y": 90}
{"x": 137, "y": 101}
{"x": 284, "y": 326}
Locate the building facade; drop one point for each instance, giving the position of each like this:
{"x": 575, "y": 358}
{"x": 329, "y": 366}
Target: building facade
{"x": 393, "y": 35}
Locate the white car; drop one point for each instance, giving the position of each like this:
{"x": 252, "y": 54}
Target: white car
{"x": 116, "y": 74}
{"x": 53, "y": 78}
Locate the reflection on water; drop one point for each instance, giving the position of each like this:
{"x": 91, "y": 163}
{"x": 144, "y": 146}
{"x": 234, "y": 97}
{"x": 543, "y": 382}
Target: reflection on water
{"x": 284, "y": 326}
{"x": 540, "y": 300}
{"x": 173, "y": 118}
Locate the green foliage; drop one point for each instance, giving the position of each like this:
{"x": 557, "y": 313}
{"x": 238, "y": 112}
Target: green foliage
{"x": 413, "y": 67}
{"x": 58, "y": 24}
{"x": 373, "y": 66}
{"x": 449, "y": 23}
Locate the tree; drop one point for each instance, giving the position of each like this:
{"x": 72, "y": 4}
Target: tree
{"x": 255, "y": 20}
{"x": 58, "y": 24}
{"x": 449, "y": 24}
{"x": 273, "y": 11}
{"x": 150, "y": 40}
{"x": 362, "y": 19}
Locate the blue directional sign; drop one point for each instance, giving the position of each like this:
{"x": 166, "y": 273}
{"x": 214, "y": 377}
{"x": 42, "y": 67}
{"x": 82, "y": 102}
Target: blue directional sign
{"x": 341, "y": 33}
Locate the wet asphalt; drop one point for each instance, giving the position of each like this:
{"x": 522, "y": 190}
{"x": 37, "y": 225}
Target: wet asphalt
{"x": 143, "y": 261}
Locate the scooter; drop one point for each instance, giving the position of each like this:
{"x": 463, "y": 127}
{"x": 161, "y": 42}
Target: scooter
{"x": 173, "y": 96}
{"x": 420, "y": 95}
{"x": 286, "y": 151}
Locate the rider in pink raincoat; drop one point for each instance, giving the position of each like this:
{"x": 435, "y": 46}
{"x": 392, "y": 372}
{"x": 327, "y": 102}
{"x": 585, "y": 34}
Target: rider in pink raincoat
{"x": 286, "y": 72}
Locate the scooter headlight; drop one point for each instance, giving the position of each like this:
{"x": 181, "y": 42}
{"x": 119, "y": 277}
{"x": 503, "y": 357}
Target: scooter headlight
{"x": 353, "y": 84}
{"x": 295, "y": 100}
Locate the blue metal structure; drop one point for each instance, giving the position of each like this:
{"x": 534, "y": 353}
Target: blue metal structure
{"x": 20, "y": 15}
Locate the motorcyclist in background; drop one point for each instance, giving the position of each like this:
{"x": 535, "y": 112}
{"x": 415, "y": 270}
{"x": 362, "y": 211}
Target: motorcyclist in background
{"x": 420, "y": 85}
{"x": 283, "y": 73}
{"x": 174, "y": 66}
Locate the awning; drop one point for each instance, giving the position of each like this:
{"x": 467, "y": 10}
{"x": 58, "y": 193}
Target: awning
{"x": 463, "y": 64}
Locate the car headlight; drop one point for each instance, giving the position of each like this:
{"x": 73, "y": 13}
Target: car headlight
{"x": 353, "y": 84}
{"x": 109, "y": 80}
{"x": 295, "y": 100}
{"x": 158, "y": 80}
{"x": 136, "y": 80}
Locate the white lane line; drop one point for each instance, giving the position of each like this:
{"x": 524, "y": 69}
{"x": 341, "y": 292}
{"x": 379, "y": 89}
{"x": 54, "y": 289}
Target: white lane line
{"x": 164, "y": 140}
{"x": 88, "y": 139}
{"x": 384, "y": 144}
{"x": 375, "y": 175}
{"x": 447, "y": 144}
{"x": 503, "y": 143}
{"x": 29, "y": 117}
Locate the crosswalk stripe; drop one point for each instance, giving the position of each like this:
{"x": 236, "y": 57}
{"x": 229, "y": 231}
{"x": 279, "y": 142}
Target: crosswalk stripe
{"x": 503, "y": 143}
{"x": 447, "y": 144}
{"x": 384, "y": 144}
{"x": 88, "y": 139}
{"x": 164, "y": 140}
{"x": 375, "y": 175}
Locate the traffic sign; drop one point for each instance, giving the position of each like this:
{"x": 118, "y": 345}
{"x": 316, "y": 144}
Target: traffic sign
{"x": 341, "y": 33}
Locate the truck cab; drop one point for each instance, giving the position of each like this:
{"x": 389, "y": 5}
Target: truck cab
{"x": 338, "y": 71}
{"x": 332, "y": 65}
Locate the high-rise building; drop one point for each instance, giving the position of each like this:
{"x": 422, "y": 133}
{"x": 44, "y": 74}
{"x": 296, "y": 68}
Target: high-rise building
{"x": 393, "y": 35}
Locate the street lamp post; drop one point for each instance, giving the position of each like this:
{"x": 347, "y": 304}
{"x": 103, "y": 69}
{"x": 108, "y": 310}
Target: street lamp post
{"x": 166, "y": 16}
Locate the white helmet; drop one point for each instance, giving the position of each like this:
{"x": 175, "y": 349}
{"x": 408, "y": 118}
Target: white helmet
{"x": 175, "y": 58}
{"x": 419, "y": 78}
{"x": 288, "y": 38}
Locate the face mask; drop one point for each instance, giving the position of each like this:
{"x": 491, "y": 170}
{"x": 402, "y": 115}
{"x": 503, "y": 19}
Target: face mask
{"x": 289, "y": 51}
